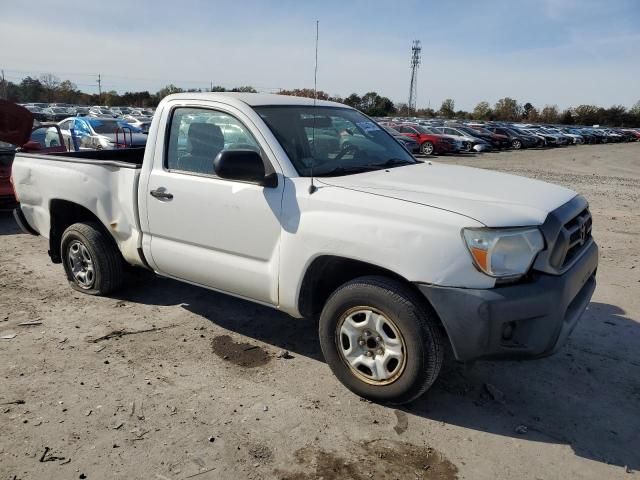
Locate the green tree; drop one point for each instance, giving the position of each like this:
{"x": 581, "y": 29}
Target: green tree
{"x": 507, "y": 109}
{"x": 448, "y": 108}
{"x": 532, "y": 115}
{"x": 31, "y": 90}
{"x": 526, "y": 108}
{"x": 549, "y": 114}
{"x": 168, "y": 90}
{"x": 586, "y": 114}
{"x": 482, "y": 111}
{"x": 306, "y": 92}
{"x": 567, "y": 117}
{"x": 50, "y": 84}
{"x": 354, "y": 101}
{"x": 245, "y": 89}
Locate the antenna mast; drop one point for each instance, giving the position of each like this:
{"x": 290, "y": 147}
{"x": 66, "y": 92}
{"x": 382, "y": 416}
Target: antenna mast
{"x": 416, "y": 51}
{"x": 312, "y": 187}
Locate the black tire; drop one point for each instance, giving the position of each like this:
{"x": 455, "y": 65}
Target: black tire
{"x": 413, "y": 318}
{"x": 106, "y": 260}
{"x": 427, "y": 148}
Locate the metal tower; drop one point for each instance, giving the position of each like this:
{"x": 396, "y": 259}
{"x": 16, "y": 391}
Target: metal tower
{"x": 416, "y": 51}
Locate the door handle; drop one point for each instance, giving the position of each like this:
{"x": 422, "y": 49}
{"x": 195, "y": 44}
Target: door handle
{"x": 161, "y": 194}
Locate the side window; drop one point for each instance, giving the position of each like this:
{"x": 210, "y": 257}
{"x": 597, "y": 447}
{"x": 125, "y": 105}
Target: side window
{"x": 197, "y": 135}
{"x": 450, "y": 131}
{"x": 65, "y": 125}
{"x": 80, "y": 127}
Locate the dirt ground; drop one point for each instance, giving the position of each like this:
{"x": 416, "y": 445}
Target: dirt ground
{"x": 169, "y": 381}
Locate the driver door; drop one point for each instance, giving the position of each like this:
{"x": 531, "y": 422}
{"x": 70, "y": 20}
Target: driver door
{"x": 203, "y": 229}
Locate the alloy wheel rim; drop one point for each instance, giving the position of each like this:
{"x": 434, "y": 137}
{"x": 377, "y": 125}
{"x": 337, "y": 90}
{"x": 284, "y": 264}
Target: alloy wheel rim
{"x": 427, "y": 149}
{"x": 371, "y": 345}
{"x": 81, "y": 265}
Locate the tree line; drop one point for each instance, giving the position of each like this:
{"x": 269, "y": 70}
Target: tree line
{"x": 49, "y": 88}
{"x": 508, "y": 109}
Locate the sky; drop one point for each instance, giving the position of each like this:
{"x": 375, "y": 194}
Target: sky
{"x": 562, "y": 52}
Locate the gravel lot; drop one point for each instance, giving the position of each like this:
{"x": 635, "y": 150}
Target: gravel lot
{"x": 169, "y": 381}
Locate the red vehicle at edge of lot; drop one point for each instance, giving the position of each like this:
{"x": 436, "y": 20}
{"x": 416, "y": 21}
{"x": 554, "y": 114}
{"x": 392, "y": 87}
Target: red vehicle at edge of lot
{"x": 429, "y": 142}
{"x": 17, "y": 130}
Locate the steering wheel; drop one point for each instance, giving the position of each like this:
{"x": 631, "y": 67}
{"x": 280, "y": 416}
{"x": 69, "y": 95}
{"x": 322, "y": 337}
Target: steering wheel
{"x": 349, "y": 147}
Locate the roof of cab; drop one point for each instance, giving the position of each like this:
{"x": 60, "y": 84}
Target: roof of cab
{"x": 254, "y": 99}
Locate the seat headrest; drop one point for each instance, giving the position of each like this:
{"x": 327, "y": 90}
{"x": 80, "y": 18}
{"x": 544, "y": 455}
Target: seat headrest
{"x": 205, "y": 139}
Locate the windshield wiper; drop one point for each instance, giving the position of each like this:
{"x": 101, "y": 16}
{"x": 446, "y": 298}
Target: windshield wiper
{"x": 345, "y": 171}
{"x": 392, "y": 162}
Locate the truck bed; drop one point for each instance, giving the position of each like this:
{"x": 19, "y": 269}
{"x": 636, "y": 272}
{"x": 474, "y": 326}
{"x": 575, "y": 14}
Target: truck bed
{"x": 104, "y": 183}
{"x": 131, "y": 156}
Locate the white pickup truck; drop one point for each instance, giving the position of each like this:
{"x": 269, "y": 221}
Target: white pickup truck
{"x": 313, "y": 209}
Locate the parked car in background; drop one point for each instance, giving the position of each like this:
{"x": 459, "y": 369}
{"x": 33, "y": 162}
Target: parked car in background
{"x": 552, "y": 140}
{"x": 80, "y": 111}
{"x": 496, "y": 141}
{"x": 408, "y": 142}
{"x": 55, "y": 114}
{"x": 518, "y": 140}
{"x": 102, "y": 133}
{"x": 634, "y": 134}
{"x": 37, "y": 113}
{"x": 587, "y": 137}
{"x": 430, "y": 142}
{"x": 102, "y": 112}
{"x": 139, "y": 122}
{"x": 470, "y": 143}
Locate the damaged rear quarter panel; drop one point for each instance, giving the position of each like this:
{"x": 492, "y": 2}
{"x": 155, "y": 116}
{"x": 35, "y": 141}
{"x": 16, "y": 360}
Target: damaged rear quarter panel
{"x": 109, "y": 191}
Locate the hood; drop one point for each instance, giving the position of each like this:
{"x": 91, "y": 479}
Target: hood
{"x": 492, "y": 198}
{"x": 15, "y": 123}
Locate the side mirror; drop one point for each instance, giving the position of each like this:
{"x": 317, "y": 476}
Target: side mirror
{"x": 31, "y": 146}
{"x": 244, "y": 166}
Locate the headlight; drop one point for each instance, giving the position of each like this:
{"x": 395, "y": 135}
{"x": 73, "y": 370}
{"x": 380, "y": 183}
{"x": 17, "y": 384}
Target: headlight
{"x": 503, "y": 253}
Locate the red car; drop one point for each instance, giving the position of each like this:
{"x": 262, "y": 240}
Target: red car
{"x": 17, "y": 131}
{"x": 429, "y": 141}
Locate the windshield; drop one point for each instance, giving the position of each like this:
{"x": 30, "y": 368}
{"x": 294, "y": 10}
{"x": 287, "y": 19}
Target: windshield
{"x": 103, "y": 126}
{"x": 332, "y": 141}
{"x": 470, "y": 131}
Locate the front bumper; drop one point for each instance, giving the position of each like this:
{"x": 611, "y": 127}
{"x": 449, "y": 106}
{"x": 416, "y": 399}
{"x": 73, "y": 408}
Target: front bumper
{"x": 526, "y": 320}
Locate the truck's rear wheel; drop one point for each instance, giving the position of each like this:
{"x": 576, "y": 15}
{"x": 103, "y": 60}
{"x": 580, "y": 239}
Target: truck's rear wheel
{"x": 91, "y": 259}
{"x": 380, "y": 339}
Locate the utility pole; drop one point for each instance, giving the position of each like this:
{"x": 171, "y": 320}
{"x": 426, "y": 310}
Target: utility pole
{"x": 4, "y": 86}
{"x": 416, "y": 51}
{"x": 99, "y": 89}
{"x": 211, "y": 86}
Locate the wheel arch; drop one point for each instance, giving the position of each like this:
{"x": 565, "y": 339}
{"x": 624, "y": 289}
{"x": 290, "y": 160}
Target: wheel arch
{"x": 328, "y": 272}
{"x": 64, "y": 213}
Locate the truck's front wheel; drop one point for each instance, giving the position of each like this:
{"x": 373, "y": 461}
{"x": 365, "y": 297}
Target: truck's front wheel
{"x": 381, "y": 340}
{"x": 91, "y": 259}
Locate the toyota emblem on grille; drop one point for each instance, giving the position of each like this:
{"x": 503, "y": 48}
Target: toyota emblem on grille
{"x": 583, "y": 233}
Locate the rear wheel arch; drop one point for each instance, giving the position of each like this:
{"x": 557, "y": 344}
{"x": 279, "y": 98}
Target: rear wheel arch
{"x": 63, "y": 214}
